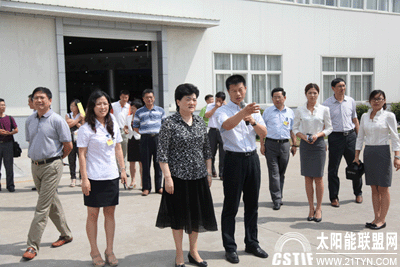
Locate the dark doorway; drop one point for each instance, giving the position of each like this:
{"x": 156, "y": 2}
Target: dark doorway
{"x": 107, "y": 64}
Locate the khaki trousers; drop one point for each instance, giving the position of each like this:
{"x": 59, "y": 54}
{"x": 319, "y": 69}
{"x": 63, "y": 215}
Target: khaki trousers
{"x": 46, "y": 178}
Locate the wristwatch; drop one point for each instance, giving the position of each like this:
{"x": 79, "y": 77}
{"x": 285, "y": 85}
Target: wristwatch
{"x": 255, "y": 123}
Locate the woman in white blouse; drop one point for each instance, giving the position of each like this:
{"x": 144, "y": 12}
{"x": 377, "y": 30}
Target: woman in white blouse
{"x": 376, "y": 127}
{"x": 311, "y": 123}
{"x": 99, "y": 142}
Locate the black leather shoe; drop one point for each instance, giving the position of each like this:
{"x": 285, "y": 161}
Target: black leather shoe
{"x": 180, "y": 265}
{"x": 257, "y": 251}
{"x": 374, "y": 227}
{"x": 192, "y": 260}
{"x": 11, "y": 189}
{"x": 318, "y": 219}
{"x": 277, "y": 206}
{"x": 368, "y": 225}
{"x": 232, "y": 257}
{"x": 311, "y": 218}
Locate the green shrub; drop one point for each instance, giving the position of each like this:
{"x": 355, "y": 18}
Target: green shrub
{"x": 395, "y": 108}
{"x": 361, "y": 109}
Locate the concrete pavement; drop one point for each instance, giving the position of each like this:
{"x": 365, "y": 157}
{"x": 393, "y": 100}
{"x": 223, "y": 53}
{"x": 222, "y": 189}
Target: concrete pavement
{"x": 285, "y": 234}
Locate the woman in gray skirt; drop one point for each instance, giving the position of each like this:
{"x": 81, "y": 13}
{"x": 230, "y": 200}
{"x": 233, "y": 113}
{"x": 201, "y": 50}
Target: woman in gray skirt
{"x": 311, "y": 123}
{"x": 376, "y": 127}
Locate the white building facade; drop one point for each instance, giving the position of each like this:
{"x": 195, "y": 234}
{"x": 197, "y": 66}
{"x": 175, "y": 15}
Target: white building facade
{"x": 272, "y": 43}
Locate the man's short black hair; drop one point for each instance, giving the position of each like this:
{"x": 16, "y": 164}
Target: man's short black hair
{"x": 137, "y": 103}
{"x": 207, "y": 97}
{"x": 124, "y": 92}
{"x": 234, "y": 79}
{"x": 43, "y": 90}
{"x": 336, "y": 81}
{"x": 147, "y": 91}
{"x": 278, "y": 89}
{"x": 2, "y": 100}
{"x": 220, "y": 95}
{"x": 30, "y": 97}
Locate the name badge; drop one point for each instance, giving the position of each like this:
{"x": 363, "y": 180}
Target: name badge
{"x": 286, "y": 122}
{"x": 110, "y": 142}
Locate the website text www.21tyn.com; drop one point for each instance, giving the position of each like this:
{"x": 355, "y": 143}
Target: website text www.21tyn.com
{"x": 334, "y": 261}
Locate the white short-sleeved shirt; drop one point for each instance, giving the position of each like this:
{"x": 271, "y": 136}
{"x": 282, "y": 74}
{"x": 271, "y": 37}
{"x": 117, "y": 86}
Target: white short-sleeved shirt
{"x": 242, "y": 138}
{"x": 100, "y": 156}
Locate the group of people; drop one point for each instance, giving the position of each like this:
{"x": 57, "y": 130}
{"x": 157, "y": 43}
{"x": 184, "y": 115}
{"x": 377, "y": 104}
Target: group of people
{"x": 181, "y": 147}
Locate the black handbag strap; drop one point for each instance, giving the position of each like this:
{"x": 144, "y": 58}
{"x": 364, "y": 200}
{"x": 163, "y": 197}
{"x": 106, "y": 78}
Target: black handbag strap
{"x": 11, "y": 124}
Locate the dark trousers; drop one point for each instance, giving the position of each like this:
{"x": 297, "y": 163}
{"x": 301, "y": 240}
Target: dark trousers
{"x": 7, "y": 153}
{"x": 148, "y": 149}
{"x": 216, "y": 144}
{"x": 72, "y": 161}
{"x": 277, "y": 155}
{"x": 241, "y": 174}
{"x": 340, "y": 145}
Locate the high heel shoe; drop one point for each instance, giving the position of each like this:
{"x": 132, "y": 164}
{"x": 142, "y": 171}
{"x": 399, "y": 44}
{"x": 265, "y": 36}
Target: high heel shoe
{"x": 111, "y": 259}
{"x": 97, "y": 260}
{"x": 200, "y": 264}
{"x": 318, "y": 219}
{"x": 180, "y": 265}
{"x": 311, "y": 218}
{"x": 375, "y": 227}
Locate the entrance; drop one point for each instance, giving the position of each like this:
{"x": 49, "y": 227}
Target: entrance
{"x": 107, "y": 64}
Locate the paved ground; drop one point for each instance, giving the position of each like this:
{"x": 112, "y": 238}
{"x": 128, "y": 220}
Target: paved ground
{"x": 284, "y": 234}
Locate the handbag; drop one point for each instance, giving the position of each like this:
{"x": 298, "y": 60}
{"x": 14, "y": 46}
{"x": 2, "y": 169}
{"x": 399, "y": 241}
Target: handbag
{"x": 354, "y": 171}
{"x": 16, "y": 148}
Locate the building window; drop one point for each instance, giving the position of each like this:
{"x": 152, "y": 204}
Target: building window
{"x": 378, "y": 5}
{"x": 262, "y": 73}
{"x": 396, "y": 6}
{"x": 357, "y": 72}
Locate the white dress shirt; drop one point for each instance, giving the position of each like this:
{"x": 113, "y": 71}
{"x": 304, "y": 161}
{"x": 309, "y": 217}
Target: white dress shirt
{"x": 100, "y": 156}
{"x": 376, "y": 132}
{"x": 306, "y": 122}
{"x": 212, "y": 121}
{"x": 131, "y": 132}
{"x": 120, "y": 113}
{"x": 342, "y": 113}
{"x": 242, "y": 138}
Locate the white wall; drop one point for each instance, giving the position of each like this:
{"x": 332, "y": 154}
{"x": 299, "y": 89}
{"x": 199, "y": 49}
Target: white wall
{"x": 28, "y": 60}
{"x": 301, "y": 34}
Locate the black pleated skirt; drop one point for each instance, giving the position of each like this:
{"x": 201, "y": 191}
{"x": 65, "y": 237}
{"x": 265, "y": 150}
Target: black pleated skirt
{"x": 102, "y": 193}
{"x": 190, "y": 207}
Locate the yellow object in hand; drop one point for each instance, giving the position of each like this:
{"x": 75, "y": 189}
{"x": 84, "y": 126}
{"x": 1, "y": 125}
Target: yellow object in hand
{"x": 81, "y": 110}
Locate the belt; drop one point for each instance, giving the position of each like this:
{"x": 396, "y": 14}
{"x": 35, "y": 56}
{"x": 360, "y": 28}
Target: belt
{"x": 212, "y": 128}
{"x": 344, "y": 133}
{"x": 49, "y": 160}
{"x": 278, "y": 140}
{"x": 150, "y": 135}
{"x": 243, "y": 154}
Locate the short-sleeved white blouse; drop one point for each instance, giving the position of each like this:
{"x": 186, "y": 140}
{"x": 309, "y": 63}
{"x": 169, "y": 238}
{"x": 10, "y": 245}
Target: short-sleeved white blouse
{"x": 100, "y": 156}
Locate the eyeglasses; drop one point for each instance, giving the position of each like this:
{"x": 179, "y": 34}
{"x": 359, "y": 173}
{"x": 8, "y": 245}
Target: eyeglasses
{"x": 378, "y": 99}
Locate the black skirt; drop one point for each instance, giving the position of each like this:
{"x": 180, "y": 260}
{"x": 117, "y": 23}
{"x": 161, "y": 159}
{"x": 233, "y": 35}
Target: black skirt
{"x": 189, "y": 208}
{"x": 378, "y": 165}
{"x": 133, "y": 150}
{"x": 102, "y": 193}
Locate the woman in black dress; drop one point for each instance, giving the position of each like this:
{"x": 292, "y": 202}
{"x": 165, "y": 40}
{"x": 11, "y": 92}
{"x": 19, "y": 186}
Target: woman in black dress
{"x": 184, "y": 155}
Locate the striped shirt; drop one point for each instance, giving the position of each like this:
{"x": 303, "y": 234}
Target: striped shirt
{"x": 149, "y": 121}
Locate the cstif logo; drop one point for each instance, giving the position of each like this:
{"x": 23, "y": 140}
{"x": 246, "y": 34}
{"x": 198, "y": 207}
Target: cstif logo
{"x": 302, "y": 254}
